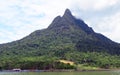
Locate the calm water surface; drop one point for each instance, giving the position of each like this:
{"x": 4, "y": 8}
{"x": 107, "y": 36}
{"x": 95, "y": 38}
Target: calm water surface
{"x": 62, "y": 73}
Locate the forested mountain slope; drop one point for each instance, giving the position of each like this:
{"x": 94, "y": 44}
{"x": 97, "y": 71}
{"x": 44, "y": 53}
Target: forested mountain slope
{"x": 66, "y": 34}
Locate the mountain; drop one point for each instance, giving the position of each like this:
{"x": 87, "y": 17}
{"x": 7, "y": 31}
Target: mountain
{"x": 66, "y": 34}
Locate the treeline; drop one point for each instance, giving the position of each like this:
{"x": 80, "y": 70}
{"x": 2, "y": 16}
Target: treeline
{"x": 33, "y": 63}
{"x": 95, "y": 59}
{"x": 100, "y": 60}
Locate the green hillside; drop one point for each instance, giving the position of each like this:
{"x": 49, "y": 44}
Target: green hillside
{"x": 66, "y": 38}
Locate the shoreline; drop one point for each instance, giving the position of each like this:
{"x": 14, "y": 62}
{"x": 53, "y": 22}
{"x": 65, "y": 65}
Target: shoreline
{"x": 62, "y": 70}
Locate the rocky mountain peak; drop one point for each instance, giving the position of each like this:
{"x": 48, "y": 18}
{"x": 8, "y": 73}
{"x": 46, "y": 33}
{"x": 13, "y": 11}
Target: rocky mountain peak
{"x": 65, "y": 34}
{"x": 67, "y": 13}
{"x": 68, "y": 20}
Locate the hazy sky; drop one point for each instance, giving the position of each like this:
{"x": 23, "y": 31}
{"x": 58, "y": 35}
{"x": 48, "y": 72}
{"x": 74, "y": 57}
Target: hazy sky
{"x": 18, "y": 18}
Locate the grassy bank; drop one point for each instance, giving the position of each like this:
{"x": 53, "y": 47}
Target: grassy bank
{"x": 84, "y": 67}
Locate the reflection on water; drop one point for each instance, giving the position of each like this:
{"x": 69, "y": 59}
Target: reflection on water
{"x": 116, "y": 72}
{"x": 63, "y": 73}
{"x": 9, "y": 73}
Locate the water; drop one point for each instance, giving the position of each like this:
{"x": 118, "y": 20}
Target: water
{"x": 63, "y": 73}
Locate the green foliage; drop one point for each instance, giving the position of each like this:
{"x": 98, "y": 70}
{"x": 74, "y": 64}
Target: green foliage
{"x": 93, "y": 59}
{"x": 42, "y": 63}
{"x": 66, "y": 38}
{"x": 64, "y": 33}
{"x": 102, "y": 60}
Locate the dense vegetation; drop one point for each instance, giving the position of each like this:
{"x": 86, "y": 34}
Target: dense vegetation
{"x": 93, "y": 59}
{"x": 33, "y": 63}
{"x": 101, "y": 60}
{"x": 66, "y": 38}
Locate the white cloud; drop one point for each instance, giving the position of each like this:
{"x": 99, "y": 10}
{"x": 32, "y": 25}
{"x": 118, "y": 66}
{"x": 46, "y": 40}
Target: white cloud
{"x": 6, "y": 36}
{"x": 93, "y": 4}
{"x": 110, "y": 26}
{"x": 25, "y": 16}
{"x": 101, "y": 4}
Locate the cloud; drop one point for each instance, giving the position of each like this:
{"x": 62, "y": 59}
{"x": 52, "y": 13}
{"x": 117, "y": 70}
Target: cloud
{"x": 110, "y": 26}
{"x": 19, "y": 18}
{"x": 101, "y": 4}
{"x": 93, "y": 4}
{"x": 6, "y": 36}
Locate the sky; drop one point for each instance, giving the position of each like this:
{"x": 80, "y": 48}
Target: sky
{"x": 19, "y": 18}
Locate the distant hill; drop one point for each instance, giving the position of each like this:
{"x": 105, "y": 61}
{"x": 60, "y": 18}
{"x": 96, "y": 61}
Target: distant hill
{"x": 66, "y": 34}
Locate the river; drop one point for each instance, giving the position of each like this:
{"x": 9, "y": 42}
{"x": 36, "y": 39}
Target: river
{"x": 63, "y": 73}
